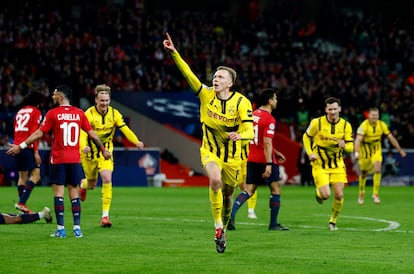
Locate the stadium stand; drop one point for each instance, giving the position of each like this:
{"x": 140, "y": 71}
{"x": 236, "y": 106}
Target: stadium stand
{"x": 120, "y": 43}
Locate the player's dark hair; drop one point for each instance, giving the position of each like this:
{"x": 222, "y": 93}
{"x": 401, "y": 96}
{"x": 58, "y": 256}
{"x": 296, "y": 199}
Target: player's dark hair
{"x": 332, "y": 100}
{"x": 33, "y": 98}
{"x": 264, "y": 95}
{"x": 67, "y": 91}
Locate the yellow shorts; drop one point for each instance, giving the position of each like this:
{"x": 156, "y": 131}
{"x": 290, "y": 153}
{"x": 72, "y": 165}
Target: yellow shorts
{"x": 367, "y": 164}
{"x": 91, "y": 167}
{"x": 323, "y": 177}
{"x": 243, "y": 171}
{"x": 231, "y": 172}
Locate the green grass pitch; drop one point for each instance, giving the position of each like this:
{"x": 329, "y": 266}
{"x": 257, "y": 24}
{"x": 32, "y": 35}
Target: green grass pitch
{"x": 170, "y": 230}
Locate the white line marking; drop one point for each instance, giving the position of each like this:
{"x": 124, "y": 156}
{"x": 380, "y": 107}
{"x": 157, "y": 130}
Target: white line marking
{"x": 392, "y": 225}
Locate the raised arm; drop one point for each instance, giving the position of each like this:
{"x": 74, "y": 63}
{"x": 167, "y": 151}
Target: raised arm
{"x": 168, "y": 43}
{"x": 185, "y": 69}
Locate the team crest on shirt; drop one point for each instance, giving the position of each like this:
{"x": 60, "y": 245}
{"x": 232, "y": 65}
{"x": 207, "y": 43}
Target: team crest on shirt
{"x": 231, "y": 110}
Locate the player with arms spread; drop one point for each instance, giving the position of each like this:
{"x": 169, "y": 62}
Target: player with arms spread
{"x": 66, "y": 122}
{"x": 104, "y": 120}
{"x": 227, "y": 125}
{"x": 325, "y": 141}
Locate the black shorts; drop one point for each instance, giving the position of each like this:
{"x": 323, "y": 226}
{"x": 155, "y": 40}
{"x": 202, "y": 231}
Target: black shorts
{"x": 66, "y": 174}
{"x": 255, "y": 171}
{"x": 26, "y": 160}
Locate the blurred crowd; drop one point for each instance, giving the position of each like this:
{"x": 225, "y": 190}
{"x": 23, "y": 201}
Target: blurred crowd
{"x": 364, "y": 59}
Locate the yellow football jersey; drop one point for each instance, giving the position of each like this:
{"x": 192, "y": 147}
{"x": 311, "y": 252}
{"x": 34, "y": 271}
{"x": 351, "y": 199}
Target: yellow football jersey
{"x": 104, "y": 126}
{"x": 219, "y": 117}
{"x": 371, "y": 137}
{"x": 321, "y": 138}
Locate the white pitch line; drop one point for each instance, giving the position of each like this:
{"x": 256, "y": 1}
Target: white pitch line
{"x": 392, "y": 225}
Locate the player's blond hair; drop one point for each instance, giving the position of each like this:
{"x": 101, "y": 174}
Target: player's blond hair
{"x": 102, "y": 89}
{"x": 231, "y": 71}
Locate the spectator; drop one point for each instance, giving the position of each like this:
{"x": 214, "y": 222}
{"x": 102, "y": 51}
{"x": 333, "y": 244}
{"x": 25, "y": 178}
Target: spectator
{"x": 370, "y": 60}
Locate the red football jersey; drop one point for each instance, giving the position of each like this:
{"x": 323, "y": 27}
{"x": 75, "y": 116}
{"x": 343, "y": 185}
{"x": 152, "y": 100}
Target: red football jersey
{"x": 264, "y": 125}
{"x": 66, "y": 123}
{"x": 26, "y": 122}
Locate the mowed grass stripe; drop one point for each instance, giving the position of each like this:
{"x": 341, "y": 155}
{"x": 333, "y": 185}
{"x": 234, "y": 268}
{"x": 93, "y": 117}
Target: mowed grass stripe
{"x": 170, "y": 230}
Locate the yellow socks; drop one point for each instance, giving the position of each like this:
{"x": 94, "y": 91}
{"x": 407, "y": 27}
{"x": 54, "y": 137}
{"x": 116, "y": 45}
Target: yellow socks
{"x": 251, "y": 202}
{"x": 376, "y": 182}
{"x": 106, "y": 198}
{"x": 361, "y": 183}
{"x": 216, "y": 203}
{"x": 336, "y": 209}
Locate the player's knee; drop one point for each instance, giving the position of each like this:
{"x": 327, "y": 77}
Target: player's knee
{"x": 35, "y": 178}
{"x": 325, "y": 196}
{"x": 215, "y": 183}
{"x": 339, "y": 196}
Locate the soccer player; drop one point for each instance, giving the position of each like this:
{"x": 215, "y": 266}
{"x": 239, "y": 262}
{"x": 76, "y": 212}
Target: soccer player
{"x": 261, "y": 167}
{"x": 25, "y": 218}
{"x": 368, "y": 151}
{"x": 27, "y": 121}
{"x": 325, "y": 141}
{"x": 227, "y": 125}
{"x": 66, "y": 122}
{"x": 104, "y": 120}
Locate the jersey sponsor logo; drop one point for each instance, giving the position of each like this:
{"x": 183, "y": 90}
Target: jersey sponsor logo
{"x": 223, "y": 118}
{"x": 328, "y": 138}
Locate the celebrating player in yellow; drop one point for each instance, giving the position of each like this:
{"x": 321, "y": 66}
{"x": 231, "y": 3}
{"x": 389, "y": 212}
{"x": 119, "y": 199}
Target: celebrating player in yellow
{"x": 227, "y": 125}
{"x": 368, "y": 150}
{"x": 325, "y": 141}
{"x": 104, "y": 120}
